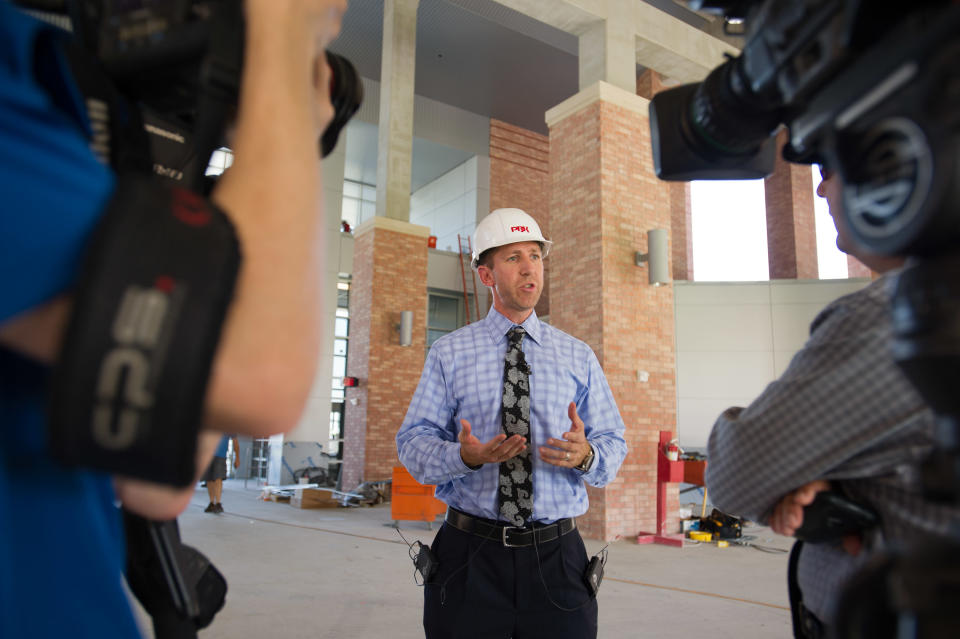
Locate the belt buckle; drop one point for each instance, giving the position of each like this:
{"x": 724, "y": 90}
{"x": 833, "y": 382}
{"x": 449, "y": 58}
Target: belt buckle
{"x": 504, "y": 537}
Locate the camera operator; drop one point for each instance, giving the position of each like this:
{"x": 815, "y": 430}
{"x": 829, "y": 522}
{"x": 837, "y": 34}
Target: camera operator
{"x": 842, "y": 417}
{"x": 61, "y": 542}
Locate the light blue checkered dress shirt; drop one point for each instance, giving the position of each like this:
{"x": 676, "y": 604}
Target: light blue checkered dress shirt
{"x": 462, "y": 379}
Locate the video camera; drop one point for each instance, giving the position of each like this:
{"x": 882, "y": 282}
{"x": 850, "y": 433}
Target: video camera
{"x": 161, "y": 80}
{"x": 181, "y": 61}
{"x": 870, "y": 90}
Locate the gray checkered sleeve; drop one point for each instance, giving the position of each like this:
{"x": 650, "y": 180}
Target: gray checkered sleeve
{"x": 841, "y": 410}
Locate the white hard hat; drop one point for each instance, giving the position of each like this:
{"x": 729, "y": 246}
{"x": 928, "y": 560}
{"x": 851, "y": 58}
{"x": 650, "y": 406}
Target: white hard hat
{"x": 506, "y": 226}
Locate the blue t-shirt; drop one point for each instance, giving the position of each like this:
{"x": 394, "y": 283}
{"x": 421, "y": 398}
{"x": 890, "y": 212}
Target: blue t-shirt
{"x": 61, "y": 539}
{"x": 222, "y": 446}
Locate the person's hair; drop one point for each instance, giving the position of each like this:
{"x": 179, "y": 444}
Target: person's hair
{"x": 484, "y": 258}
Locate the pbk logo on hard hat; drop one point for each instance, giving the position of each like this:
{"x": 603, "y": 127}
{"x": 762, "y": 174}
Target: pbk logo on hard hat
{"x": 519, "y": 229}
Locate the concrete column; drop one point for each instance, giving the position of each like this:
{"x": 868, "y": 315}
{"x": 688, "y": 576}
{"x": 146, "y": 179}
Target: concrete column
{"x": 649, "y": 83}
{"x": 604, "y": 197}
{"x": 608, "y": 49}
{"x": 389, "y": 276}
{"x": 395, "y": 143}
{"x": 301, "y": 447}
{"x": 791, "y": 229}
{"x": 520, "y": 178}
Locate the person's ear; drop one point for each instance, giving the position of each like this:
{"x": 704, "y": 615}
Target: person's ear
{"x": 486, "y": 275}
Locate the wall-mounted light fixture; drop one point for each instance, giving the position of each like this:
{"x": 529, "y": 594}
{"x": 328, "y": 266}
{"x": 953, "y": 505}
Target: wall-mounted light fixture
{"x": 656, "y": 257}
{"x": 406, "y": 328}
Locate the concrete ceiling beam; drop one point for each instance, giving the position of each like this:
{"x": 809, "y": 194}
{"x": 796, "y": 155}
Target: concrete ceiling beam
{"x": 664, "y": 43}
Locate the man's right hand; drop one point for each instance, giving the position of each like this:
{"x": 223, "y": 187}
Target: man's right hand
{"x": 475, "y": 453}
{"x": 787, "y": 515}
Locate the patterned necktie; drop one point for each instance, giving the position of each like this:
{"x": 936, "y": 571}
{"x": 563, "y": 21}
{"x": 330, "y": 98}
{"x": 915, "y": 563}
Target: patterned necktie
{"x": 516, "y": 478}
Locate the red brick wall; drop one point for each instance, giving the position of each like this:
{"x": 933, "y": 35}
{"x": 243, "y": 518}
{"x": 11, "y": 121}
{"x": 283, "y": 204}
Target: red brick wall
{"x": 520, "y": 178}
{"x": 649, "y": 83}
{"x": 856, "y": 268}
{"x": 389, "y": 276}
{"x": 791, "y": 230}
{"x": 604, "y": 197}
{"x": 681, "y": 235}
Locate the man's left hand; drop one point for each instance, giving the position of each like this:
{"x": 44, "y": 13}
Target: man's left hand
{"x": 571, "y": 450}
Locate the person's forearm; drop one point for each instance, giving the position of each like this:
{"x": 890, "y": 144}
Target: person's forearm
{"x": 37, "y": 332}
{"x": 609, "y": 450}
{"x": 270, "y": 345}
{"x": 159, "y": 502}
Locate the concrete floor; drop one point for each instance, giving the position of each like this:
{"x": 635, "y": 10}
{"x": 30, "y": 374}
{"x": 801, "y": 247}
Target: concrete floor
{"x": 344, "y": 572}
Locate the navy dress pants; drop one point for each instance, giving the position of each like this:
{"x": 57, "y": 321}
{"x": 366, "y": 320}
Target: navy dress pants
{"x": 483, "y": 590}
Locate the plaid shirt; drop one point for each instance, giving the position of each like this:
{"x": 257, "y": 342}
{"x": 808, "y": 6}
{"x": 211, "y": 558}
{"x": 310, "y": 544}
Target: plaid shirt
{"x": 844, "y": 412}
{"x": 463, "y": 378}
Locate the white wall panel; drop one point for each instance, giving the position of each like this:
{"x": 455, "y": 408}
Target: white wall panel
{"x": 702, "y": 327}
{"x": 735, "y": 338}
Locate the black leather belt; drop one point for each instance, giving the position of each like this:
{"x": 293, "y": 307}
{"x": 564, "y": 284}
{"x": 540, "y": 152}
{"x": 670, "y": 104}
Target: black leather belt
{"x": 509, "y": 536}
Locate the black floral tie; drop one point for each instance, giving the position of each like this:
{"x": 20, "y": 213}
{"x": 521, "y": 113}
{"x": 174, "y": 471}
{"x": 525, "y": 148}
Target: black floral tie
{"x": 516, "y": 474}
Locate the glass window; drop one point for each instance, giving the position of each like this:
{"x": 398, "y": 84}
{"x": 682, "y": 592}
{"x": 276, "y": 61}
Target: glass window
{"x": 359, "y": 202}
{"x": 433, "y": 335}
{"x": 334, "y": 424}
{"x": 341, "y": 347}
{"x": 350, "y": 211}
{"x": 729, "y": 220}
{"x": 445, "y": 313}
{"x": 220, "y": 161}
{"x": 368, "y": 210}
{"x": 353, "y": 189}
{"x": 831, "y": 261}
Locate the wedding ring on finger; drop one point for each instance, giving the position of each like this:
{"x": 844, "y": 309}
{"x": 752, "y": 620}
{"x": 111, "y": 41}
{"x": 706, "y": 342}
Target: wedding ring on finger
{"x": 567, "y": 457}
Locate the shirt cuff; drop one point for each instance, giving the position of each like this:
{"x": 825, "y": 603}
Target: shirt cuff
{"x": 594, "y": 464}
{"x": 456, "y": 464}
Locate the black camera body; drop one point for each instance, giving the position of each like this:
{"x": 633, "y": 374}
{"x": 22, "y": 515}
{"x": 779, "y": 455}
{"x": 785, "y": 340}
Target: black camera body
{"x": 180, "y": 62}
{"x": 871, "y": 90}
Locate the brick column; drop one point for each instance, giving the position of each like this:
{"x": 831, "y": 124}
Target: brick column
{"x": 520, "y": 178}
{"x": 856, "y": 268}
{"x": 649, "y": 83}
{"x": 681, "y": 230}
{"x": 389, "y": 276}
{"x": 791, "y": 230}
{"x": 604, "y": 197}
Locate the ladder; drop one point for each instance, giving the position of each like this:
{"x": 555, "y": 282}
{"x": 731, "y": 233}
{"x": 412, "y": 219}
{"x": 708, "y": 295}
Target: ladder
{"x": 463, "y": 277}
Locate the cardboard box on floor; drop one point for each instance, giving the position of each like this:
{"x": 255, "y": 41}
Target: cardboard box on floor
{"x": 313, "y": 498}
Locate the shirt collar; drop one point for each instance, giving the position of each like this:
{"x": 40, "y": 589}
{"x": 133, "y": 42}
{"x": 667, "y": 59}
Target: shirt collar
{"x": 498, "y": 325}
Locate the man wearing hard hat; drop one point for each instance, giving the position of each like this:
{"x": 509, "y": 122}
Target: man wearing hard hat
{"x": 511, "y": 419}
